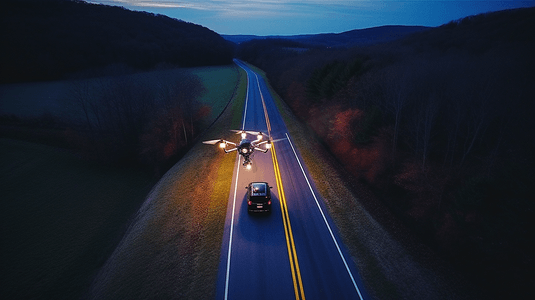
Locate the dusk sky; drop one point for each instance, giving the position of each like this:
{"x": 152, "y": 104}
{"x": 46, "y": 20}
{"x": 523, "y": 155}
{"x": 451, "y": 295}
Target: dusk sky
{"x": 290, "y": 17}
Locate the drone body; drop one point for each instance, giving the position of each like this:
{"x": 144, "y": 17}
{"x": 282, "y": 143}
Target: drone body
{"x": 246, "y": 147}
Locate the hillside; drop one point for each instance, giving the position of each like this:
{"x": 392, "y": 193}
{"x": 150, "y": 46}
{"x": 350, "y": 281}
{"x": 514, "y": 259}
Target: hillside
{"x": 438, "y": 126}
{"x": 50, "y": 40}
{"x": 352, "y": 38}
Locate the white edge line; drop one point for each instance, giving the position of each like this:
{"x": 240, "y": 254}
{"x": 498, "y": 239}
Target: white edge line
{"x": 325, "y": 219}
{"x": 227, "y": 277}
{"x": 246, "y": 98}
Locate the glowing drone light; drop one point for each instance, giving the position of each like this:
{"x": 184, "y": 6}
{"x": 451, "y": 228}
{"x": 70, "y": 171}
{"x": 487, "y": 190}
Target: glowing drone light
{"x": 268, "y": 145}
{"x": 222, "y": 145}
{"x": 248, "y": 167}
{"x": 244, "y": 150}
{"x": 243, "y": 135}
{"x": 259, "y": 137}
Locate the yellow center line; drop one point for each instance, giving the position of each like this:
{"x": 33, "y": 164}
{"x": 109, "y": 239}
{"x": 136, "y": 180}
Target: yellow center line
{"x": 294, "y": 263}
{"x": 292, "y": 254}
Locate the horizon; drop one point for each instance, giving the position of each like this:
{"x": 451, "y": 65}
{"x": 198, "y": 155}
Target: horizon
{"x": 298, "y": 17}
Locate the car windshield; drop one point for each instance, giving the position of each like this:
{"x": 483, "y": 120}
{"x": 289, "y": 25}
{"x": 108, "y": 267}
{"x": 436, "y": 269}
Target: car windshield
{"x": 258, "y": 189}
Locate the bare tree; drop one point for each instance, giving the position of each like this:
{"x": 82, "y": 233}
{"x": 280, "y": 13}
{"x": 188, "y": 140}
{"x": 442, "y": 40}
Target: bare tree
{"x": 396, "y": 96}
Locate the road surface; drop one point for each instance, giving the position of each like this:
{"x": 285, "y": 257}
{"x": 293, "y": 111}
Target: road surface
{"x": 296, "y": 251}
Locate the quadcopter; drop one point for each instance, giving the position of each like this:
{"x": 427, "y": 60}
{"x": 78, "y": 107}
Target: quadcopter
{"x": 246, "y": 147}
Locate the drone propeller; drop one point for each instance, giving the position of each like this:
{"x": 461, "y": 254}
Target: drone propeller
{"x": 212, "y": 142}
{"x": 271, "y": 141}
{"x": 257, "y": 133}
{"x": 242, "y": 132}
{"x": 220, "y": 141}
{"x": 238, "y": 131}
{"x": 249, "y": 132}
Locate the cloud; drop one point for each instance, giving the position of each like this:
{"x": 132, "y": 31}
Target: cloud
{"x": 243, "y": 7}
{"x": 148, "y": 3}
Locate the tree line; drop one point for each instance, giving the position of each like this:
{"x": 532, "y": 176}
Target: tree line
{"x": 136, "y": 120}
{"x": 57, "y": 39}
{"x": 439, "y": 125}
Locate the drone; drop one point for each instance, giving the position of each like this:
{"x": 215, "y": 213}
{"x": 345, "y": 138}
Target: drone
{"x": 246, "y": 147}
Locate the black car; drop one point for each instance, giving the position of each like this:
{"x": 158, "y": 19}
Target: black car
{"x": 258, "y": 197}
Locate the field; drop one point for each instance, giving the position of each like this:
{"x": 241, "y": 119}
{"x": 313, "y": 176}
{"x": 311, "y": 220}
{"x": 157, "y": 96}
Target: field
{"x": 62, "y": 217}
{"x": 35, "y": 99}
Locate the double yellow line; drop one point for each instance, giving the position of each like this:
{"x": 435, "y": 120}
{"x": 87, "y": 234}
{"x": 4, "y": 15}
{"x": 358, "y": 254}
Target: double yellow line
{"x": 294, "y": 263}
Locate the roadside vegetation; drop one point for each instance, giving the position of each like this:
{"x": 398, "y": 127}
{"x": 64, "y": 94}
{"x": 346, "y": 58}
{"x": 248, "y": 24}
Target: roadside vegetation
{"x": 64, "y": 212}
{"x": 172, "y": 248}
{"x": 392, "y": 263}
{"x": 435, "y": 135}
{"x": 147, "y": 120}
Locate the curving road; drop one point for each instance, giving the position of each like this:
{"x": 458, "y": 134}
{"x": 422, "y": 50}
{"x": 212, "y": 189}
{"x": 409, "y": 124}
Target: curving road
{"x": 295, "y": 252}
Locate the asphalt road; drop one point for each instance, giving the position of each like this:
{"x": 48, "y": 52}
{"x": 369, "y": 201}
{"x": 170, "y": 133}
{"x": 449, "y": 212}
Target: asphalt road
{"x": 294, "y": 252}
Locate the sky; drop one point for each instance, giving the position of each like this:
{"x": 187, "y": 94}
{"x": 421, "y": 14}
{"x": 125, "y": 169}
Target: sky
{"x": 292, "y": 17}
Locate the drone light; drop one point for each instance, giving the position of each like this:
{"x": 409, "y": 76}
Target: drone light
{"x": 248, "y": 167}
{"x": 243, "y": 135}
{"x": 268, "y": 145}
{"x": 244, "y": 150}
{"x": 222, "y": 145}
{"x": 259, "y": 137}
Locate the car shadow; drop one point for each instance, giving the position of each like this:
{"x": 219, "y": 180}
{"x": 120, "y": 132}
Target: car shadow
{"x": 262, "y": 227}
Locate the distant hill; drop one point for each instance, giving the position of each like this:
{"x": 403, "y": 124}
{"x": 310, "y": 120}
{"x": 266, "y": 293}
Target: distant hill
{"x": 357, "y": 37}
{"x": 46, "y": 40}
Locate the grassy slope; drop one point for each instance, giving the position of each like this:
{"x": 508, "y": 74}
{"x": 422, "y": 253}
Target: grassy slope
{"x": 172, "y": 249}
{"x": 392, "y": 269}
{"x": 217, "y": 91}
{"x": 62, "y": 217}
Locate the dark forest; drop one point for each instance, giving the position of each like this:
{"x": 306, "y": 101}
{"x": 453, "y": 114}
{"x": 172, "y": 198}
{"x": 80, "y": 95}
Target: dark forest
{"x": 60, "y": 39}
{"x": 439, "y": 126}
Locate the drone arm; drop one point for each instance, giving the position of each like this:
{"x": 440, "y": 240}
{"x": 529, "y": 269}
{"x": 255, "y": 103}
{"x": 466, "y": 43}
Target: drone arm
{"x": 261, "y": 150}
{"x": 228, "y": 151}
